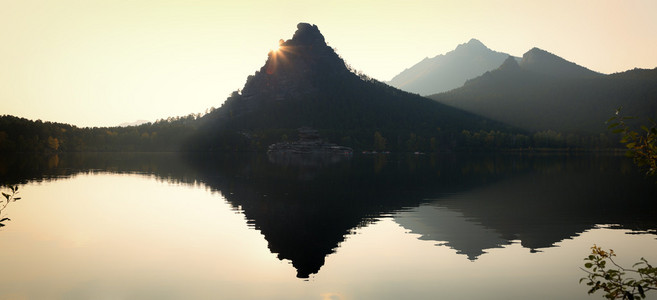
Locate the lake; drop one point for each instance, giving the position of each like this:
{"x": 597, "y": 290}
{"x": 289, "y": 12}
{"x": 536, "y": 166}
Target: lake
{"x": 249, "y": 226}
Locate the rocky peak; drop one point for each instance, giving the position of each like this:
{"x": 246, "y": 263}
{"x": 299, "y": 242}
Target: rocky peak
{"x": 450, "y": 70}
{"x": 535, "y": 54}
{"x": 541, "y": 61}
{"x": 293, "y": 72}
{"x": 509, "y": 64}
{"x": 308, "y": 35}
{"x": 473, "y": 45}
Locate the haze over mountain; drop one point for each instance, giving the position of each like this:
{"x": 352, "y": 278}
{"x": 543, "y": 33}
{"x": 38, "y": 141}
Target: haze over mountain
{"x": 305, "y": 83}
{"x": 543, "y": 62}
{"x": 450, "y": 70}
{"x": 135, "y": 123}
{"x": 546, "y": 92}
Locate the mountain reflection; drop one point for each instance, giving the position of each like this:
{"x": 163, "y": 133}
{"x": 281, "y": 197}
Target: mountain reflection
{"x": 451, "y": 228}
{"x": 305, "y": 218}
{"x": 551, "y": 203}
{"x": 470, "y": 203}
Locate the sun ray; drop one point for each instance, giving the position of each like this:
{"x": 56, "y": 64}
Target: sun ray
{"x": 278, "y": 46}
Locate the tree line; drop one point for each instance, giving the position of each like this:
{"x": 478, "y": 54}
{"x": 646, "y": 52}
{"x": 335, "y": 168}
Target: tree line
{"x": 183, "y": 134}
{"x": 23, "y": 135}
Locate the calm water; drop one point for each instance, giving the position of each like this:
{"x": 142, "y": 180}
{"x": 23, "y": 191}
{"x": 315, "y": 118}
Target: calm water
{"x": 160, "y": 226}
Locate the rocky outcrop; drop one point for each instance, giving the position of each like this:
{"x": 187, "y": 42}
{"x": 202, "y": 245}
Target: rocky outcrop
{"x": 309, "y": 142}
{"x": 291, "y": 72}
{"x": 309, "y": 150}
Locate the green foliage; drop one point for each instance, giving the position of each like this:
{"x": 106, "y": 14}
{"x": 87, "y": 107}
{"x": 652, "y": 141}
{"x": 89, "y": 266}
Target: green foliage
{"x": 8, "y": 198}
{"x": 603, "y": 272}
{"x": 605, "y": 275}
{"x": 641, "y": 144}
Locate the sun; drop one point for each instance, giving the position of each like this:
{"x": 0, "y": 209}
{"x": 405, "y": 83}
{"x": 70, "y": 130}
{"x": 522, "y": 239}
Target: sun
{"x": 278, "y": 46}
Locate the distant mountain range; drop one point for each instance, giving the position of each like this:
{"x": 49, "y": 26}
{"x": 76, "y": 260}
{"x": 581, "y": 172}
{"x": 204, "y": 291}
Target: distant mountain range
{"x": 450, "y": 70}
{"x": 545, "y": 92}
{"x": 538, "y": 92}
{"x": 135, "y": 123}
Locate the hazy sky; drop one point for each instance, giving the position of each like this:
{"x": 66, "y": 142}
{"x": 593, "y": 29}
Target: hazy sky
{"x": 101, "y": 63}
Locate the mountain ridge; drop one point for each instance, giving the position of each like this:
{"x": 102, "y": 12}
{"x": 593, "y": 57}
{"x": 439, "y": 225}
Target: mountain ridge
{"x": 546, "y": 92}
{"x": 447, "y": 71}
{"x": 542, "y": 61}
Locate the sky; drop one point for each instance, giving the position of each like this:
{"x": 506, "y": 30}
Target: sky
{"x": 101, "y": 63}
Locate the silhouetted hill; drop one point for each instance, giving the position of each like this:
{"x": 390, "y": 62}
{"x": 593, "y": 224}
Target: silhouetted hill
{"x": 450, "y": 70}
{"x": 543, "y": 62}
{"x": 305, "y": 83}
{"x": 544, "y": 92}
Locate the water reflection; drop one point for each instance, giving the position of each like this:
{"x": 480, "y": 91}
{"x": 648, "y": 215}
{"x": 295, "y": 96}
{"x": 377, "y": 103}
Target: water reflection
{"x": 306, "y": 220}
{"x": 551, "y": 203}
{"x": 451, "y": 228}
{"x": 470, "y": 203}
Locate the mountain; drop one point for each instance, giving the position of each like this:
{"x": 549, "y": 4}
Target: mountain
{"x": 135, "y": 123}
{"x": 305, "y": 83}
{"x": 545, "y": 92}
{"x": 450, "y": 70}
{"x": 543, "y": 62}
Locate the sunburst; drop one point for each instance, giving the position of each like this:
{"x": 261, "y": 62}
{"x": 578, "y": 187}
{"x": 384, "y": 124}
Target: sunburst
{"x": 278, "y": 46}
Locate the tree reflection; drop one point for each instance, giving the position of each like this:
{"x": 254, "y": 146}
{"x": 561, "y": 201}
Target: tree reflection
{"x": 471, "y": 203}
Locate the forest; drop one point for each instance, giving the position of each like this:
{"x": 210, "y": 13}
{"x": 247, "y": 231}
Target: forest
{"x": 175, "y": 134}
{"x": 22, "y": 135}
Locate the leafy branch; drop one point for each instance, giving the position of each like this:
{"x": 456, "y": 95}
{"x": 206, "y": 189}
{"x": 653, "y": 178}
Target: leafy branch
{"x": 606, "y": 275}
{"x": 603, "y": 272}
{"x": 642, "y": 145}
{"x": 8, "y": 198}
